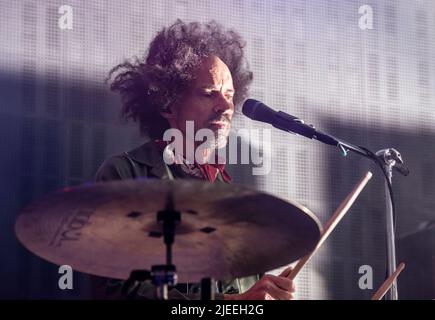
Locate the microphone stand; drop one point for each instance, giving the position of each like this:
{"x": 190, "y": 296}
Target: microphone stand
{"x": 387, "y": 159}
{"x": 390, "y": 157}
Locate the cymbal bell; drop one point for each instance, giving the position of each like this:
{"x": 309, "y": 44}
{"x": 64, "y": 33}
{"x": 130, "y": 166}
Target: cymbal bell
{"x": 109, "y": 229}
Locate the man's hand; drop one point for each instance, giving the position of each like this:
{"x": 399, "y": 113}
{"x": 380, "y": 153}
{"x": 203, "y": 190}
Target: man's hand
{"x": 269, "y": 287}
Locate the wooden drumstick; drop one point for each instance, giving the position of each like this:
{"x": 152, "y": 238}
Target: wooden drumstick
{"x": 333, "y": 221}
{"x": 387, "y": 284}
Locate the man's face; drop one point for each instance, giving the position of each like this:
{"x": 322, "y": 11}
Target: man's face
{"x": 208, "y": 103}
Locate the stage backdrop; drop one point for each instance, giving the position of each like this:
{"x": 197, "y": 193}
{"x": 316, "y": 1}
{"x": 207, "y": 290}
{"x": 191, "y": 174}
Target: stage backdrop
{"x": 362, "y": 70}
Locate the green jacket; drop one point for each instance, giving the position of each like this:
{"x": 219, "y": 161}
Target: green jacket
{"x": 147, "y": 161}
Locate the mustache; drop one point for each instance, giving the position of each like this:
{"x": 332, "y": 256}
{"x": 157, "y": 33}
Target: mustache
{"x": 224, "y": 118}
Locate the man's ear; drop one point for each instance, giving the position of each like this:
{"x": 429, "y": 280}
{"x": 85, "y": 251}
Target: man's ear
{"x": 168, "y": 112}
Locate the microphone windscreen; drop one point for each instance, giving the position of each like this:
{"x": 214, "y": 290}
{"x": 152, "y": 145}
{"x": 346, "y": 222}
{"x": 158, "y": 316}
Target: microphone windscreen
{"x": 256, "y": 110}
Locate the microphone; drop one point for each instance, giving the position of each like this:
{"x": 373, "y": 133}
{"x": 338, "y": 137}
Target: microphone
{"x": 256, "y": 110}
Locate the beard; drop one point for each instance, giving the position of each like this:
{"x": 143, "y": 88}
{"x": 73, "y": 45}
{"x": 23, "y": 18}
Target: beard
{"x": 220, "y": 138}
{"x": 212, "y": 142}
{"x": 217, "y": 140}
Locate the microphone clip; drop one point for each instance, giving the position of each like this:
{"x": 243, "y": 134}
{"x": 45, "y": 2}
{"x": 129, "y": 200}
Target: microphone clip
{"x": 392, "y": 158}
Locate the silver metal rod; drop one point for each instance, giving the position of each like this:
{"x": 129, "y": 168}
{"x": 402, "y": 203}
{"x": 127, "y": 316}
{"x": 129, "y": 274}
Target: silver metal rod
{"x": 392, "y": 294}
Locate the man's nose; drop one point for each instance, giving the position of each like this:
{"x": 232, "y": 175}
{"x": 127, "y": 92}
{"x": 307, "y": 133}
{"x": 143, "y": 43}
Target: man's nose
{"x": 223, "y": 104}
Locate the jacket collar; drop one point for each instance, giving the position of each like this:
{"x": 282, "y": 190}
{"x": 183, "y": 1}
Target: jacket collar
{"x": 149, "y": 155}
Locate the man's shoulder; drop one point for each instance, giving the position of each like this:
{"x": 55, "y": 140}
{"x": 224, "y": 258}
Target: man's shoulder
{"x": 116, "y": 167}
{"x": 130, "y": 164}
{"x": 147, "y": 154}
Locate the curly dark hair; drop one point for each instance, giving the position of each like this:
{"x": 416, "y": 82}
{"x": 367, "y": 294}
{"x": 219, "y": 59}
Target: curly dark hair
{"x": 152, "y": 84}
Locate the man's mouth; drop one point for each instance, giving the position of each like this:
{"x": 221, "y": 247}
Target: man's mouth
{"x": 219, "y": 124}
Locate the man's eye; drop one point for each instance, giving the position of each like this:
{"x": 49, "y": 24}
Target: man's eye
{"x": 211, "y": 94}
